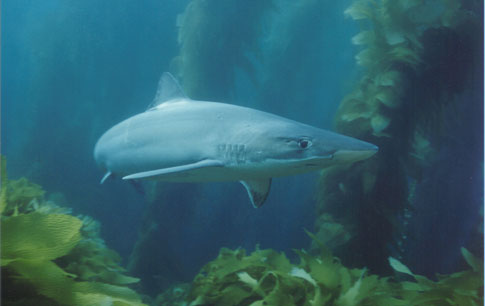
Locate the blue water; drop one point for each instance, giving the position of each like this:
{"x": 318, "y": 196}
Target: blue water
{"x": 73, "y": 69}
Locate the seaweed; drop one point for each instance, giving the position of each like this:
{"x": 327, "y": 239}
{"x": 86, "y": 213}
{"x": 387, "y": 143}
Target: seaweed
{"x": 46, "y": 253}
{"x": 38, "y": 237}
{"x": 21, "y": 196}
{"x": 215, "y": 37}
{"x": 266, "y": 277}
{"x": 395, "y": 54}
{"x": 91, "y": 260}
{"x": 460, "y": 288}
{"x": 399, "y": 105}
{"x": 174, "y": 296}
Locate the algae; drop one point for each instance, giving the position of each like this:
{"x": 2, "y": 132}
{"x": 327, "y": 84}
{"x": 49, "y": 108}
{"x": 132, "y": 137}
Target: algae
{"x": 21, "y": 196}
{"x": 47, "y": 253}
{"x": 215, "y": 37}
{"x": 398, "y": 104}
{"x": 91, "y": 260}
{"x": 3, "y": 184}
{"x": 395, "y": 52}
{"x": 266, "y": 277}
{"x": 174, "y": 296}
{"x": 38, "y": 237}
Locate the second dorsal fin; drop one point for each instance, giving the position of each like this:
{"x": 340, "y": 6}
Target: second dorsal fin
{"x": 168, "y": 90}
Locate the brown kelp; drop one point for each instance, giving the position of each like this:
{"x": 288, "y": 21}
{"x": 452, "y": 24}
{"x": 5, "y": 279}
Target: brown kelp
{"x": 50, "y": 257}
{"x": 398, "y": 104}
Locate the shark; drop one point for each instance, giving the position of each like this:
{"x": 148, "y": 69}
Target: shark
{"x": 178, "y": 139}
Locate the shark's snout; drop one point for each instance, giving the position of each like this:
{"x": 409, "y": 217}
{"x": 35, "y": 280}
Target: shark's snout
{"x": 361, "y": 151}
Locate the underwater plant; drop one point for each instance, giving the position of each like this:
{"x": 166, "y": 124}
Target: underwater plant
{"x": 398, "y": 104}
{"x": 394, "y": 55}
{"x": 21, "y": 196}
{"x": 460, "y": 288}
{"x": 50, "y": 257}
{"x": 91, "y": 260}
{"x": 266, "y": 277}
{"x": 215, "y": 38}
{"x": 174, "y": 296}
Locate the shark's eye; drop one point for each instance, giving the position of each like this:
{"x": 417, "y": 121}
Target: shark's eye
{"x": 304, "y": 143}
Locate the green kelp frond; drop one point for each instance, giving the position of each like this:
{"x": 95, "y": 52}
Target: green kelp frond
{"x": 38, "y": 243}
{"x": 38, "y": 237}
{"x": 393, "y": 49}
{"x": 173, "y": 296}
{"x": 234, "y": 278}
{"x": 22, "y": 196}
{"x": 398, "y": 104}
{"x": 91, "y": 260}
{"x": 461, "y": 288}
{"x": 3, "y": 184}
{"x": 332, "y": 233}
{"x": 50, "y": 280}
{"x": 266, "y": 277}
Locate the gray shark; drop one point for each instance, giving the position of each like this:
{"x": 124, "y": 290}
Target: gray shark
{"x": 182, "y": 140}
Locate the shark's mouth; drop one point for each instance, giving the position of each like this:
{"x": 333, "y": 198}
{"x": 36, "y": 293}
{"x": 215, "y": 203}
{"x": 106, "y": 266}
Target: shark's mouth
{"x": 317, "y": 161}
{"x": 354, "y": 155}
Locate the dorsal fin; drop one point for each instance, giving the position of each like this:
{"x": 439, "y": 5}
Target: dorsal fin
{"x": 168, "y": 90}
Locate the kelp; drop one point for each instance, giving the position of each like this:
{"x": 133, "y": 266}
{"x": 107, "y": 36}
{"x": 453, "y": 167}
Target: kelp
{"x": 45, "y": 250}
{"x": 460, "y": 288}
{"x": 332, "y": 233}
{"x": 22, "y": 196}
{"x": 216, "y": 37}
{"x": 38, "y": 237}
{"x": 290, "y": 80}
{"x": 266, "y": 277}
{"x": 3, "y": 184}
{"x": 174, "y": 296}
{"x": 398, "y": 104}
{"x": 394, "y": 53}
{"x": 91, "y": 260}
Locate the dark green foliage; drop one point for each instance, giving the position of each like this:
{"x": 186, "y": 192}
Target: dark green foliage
{"x": 417, "y": 57}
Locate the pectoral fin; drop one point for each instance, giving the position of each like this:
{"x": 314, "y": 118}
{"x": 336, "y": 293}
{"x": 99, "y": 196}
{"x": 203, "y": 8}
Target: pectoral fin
{"x": 178, "y": 169}
{"x": 258, "y": 190}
